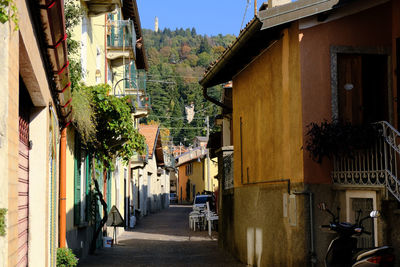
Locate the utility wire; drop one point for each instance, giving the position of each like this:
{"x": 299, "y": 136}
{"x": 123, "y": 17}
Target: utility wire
{"x": 245, "y": 11}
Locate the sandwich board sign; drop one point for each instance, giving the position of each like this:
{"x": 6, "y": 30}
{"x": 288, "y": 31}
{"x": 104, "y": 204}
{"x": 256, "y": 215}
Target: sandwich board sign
{"x": 115, "y": 219}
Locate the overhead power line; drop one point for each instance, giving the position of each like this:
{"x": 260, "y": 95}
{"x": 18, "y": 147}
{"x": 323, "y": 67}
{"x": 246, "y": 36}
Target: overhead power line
{"x": 160, "y": 81}
{"x": 184, "y": 128}
{"x": 245, "y": 12}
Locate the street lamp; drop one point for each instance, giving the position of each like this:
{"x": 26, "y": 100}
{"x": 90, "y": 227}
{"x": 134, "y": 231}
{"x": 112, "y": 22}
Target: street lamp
{"x": 115, "y": 86}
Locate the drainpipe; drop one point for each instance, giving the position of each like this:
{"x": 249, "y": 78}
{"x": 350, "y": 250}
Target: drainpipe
{"x": 213, "y": 100}
{"x": 313, "y": 257}
{"x": 63, "y": 191}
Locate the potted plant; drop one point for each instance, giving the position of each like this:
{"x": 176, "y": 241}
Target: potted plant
{"x": 66, "y": 258}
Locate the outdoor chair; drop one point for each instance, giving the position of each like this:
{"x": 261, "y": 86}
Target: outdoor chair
{"x": 210, "y": 217}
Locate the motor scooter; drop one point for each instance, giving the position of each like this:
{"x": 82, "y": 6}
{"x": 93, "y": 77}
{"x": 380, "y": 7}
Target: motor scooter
{"x": 343, "y": 251}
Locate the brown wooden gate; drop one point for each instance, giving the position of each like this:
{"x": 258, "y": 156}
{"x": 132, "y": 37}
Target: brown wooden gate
{"x": 23, "y": 188}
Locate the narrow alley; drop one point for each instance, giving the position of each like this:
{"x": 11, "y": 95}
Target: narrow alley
{"x": 163, "y": 239}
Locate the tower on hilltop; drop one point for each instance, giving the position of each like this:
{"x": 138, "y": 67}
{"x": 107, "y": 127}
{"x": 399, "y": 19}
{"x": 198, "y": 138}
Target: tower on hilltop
{"x": 156, "y": 25}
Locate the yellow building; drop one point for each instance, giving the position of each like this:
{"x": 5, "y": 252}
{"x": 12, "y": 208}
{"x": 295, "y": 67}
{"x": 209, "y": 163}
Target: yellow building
{"x": 111, "y": 52}
{"x": 292, "y": 66}
{"x": 193, "y": 175}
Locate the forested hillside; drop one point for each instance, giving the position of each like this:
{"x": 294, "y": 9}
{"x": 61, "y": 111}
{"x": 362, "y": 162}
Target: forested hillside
{"x": 177, "y": 60}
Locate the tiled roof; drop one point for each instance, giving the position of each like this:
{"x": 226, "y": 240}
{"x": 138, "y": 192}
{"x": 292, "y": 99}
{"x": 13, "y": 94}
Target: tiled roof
{"x": 150, "y": 132}
{"x": 259, "y": 33}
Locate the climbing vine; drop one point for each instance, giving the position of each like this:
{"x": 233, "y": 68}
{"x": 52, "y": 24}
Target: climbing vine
{"x": 73, "y": 15}
{"x": 3, "y": 222}
{"x": 105, "y": 124}
{"x": 8, "y": 11}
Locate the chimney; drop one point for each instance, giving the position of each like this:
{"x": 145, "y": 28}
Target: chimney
{"x": 263, "y": 6}
{"x": 274, "y": 3}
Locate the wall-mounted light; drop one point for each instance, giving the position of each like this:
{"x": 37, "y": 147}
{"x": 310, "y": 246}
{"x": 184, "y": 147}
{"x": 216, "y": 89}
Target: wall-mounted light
{"x": 348, "y": 86}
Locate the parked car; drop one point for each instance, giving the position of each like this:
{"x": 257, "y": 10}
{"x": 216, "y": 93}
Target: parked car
{"x": 201, "y": 200}
{"x": 173, "y": 198}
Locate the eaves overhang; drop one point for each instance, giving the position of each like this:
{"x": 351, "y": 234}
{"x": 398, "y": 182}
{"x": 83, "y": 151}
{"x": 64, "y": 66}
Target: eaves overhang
{"x": 53, "y": 41}
{"x": 250, "y": 43}
{"x": 265, "y": 28}
{"x": 279, "y": 15}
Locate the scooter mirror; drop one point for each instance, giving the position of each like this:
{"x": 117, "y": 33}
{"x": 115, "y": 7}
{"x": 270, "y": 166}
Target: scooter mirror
{"x": 375, "y": 214}
{"x": 322, "y": 206}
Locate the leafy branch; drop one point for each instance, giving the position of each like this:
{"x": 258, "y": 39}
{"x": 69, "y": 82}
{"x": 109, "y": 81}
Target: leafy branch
{"x": 8, "y": 11}
{"x": 105, "y": 124}
{"x": 3, "y": 222}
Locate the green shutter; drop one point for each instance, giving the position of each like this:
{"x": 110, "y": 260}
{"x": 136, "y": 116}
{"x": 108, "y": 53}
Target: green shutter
{"x": 108, "y": 191}
{"x": 87, "y": 180}
{"x": 77, "y": 181}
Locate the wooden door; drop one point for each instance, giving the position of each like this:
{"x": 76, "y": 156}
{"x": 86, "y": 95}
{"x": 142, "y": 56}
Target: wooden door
{"x": 362, "y": 88}
{"x": 350, "y": 88}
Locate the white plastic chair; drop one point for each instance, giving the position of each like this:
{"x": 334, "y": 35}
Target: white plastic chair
{"x": 210, "y": 217}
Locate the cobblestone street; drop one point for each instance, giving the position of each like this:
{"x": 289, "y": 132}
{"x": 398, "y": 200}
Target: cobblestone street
{"x": 163, "y": 239}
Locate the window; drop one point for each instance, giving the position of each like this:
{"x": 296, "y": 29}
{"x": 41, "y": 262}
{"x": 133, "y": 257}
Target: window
{"x": 189, "y": 169}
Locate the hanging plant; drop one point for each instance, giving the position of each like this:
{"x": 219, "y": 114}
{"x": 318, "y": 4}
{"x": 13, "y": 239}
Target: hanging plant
{"x": 83, "y": 114}
{"x": 340, "y": 139}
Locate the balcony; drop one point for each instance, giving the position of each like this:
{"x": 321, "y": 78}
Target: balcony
{"x": 121, "y": 41}
{"x": 373, "y": 167}
{"x": 135, "y": 86}
{"x": 169, "y": 160}
{"x": 138, "y": 160}
{"x": 98, "y": 7}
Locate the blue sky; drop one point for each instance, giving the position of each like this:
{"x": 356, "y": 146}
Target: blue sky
{"x": 209, "y": 17}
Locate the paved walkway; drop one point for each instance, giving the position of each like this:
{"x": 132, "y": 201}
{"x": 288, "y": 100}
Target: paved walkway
{"x": 163, "y": 239}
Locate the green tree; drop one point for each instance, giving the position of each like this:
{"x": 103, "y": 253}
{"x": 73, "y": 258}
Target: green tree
{"x": 177, "y": 61}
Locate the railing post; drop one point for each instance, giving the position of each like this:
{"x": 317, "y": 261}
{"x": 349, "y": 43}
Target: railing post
{"x": 384, "y": 135}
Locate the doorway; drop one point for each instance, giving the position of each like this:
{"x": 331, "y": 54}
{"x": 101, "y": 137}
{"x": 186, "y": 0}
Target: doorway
{"x": 359, "y": 203}
{"x": 362, "y": 88}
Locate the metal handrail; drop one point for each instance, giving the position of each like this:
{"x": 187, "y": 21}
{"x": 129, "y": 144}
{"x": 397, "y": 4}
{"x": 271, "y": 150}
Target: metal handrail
{"x": 376, "y": 166}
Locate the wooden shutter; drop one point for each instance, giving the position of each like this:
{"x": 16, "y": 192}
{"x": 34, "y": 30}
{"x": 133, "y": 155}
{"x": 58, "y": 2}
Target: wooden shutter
{"x": 88, "y": 180}
{"x": 77, "y": 181}
{"x": 23, "y": 190}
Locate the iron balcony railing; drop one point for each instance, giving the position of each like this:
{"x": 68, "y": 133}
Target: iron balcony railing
{"x": 121, "y": 34}
{"x": 169, "y": 160}
{"x": 135, "y": 85}
{"x": 140, "y": 158}
{"x": 376, "y": 166}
